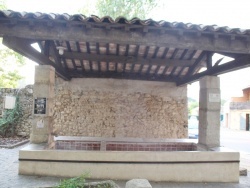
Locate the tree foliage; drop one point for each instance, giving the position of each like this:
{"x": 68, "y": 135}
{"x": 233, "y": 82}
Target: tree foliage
{"x": 192, "y": 104}
{"x": 3, "y": 5}
{"x": 114, "y": 9}
{"x": 10, "y": 62}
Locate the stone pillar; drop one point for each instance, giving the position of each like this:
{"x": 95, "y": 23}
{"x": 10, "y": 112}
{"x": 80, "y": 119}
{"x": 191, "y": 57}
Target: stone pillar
{"x": 209, "y": 113}
{"x": 43, "y": 101}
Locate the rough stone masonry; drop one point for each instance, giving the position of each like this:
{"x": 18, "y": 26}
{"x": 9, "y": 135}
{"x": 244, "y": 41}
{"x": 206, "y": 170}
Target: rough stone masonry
{"x": 120, "y": 108}
{"x": 23, "y": 127}
{"x": 111, "y": 108}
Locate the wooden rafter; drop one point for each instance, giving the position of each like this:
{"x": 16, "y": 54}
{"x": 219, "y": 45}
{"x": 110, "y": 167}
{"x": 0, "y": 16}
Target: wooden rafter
{"x": 209, "y": 60}
{"x": 236, "y": 64}
{"x": 72, "y": 59}
{"x": 135, "y": 55}
{"x": 196, "y": 64}
{"x": 23, "y": 47}
{"x": 55, "y": 53}
{"x": 126, "y": 54}
{"x": 172, "y": 57}
{"x": 127, "y": 59}
{"x": 79, "y": 51}
{"x": 88, "y": 51}
{"x": 127, "y": 75}
{"x": 98, "y": 52}
{"x": 46, "y": 48}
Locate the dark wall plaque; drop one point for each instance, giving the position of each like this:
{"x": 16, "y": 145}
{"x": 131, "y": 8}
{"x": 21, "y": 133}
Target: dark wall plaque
{"x": 40, "y": 106}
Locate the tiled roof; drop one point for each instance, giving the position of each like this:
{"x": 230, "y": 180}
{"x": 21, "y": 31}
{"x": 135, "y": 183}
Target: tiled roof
{"x": 122, "y": 20}
{"x": 124, "y": 49}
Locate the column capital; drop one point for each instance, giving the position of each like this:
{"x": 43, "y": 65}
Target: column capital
{"x": 211, "y": 82}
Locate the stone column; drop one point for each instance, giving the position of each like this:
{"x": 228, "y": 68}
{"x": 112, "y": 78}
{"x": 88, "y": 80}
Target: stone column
{"x": 209, "y": 113}
{"x": 42, "y": 112}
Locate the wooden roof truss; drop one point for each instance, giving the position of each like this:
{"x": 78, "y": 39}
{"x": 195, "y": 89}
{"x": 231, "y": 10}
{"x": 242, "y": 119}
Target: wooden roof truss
{"x": 123, "y": 51}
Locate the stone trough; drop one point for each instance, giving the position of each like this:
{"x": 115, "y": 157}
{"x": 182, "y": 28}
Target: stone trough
{"x": 124, "y": 159}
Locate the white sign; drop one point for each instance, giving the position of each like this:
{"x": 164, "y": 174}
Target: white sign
{"x": 9, "y": 102}
{"x": 214, "y": 97}
{"x": 40, "y": 124}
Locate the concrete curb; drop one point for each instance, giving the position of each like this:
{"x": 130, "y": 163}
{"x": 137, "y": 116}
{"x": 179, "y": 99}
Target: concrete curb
{"x": 14, "y": 145}
{"x": 96, "y": 184}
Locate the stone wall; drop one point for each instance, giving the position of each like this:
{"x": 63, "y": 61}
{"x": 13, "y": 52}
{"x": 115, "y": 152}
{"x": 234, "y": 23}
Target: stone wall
{"x": 120, "y": 108}
{"x": 110, "y": 108}
{"x": 23, "y": 127}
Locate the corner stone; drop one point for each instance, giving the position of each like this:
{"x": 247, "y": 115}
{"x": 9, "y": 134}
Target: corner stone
{"x": 138, "y": 183}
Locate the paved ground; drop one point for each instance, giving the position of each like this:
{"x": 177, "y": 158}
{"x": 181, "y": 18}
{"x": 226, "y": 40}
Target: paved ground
{"x": 235, "y": 139}
{"x": 9, "y": 177}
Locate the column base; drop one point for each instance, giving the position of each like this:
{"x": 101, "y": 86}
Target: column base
{"x": 203, "y": 147}
{"x": 38, "y": 139}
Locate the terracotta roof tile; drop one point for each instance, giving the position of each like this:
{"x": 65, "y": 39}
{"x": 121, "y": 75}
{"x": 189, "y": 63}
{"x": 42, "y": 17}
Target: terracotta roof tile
{"x": 122, "y": 20}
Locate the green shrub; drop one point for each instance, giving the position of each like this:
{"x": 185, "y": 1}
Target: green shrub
{"x": 80, "y": 182}
{"x": 77, "y": 182}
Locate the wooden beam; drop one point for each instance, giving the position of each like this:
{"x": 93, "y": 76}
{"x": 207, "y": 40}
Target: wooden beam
{"x": 209, "y": 60}
{"x": 172, "y": 57}
{"x": 196, "y": 64}
{"x": 72, "y": 59}
{"x": 189, "y": 58}
{"x": 239, "y": 63}
{"x": 96, "y": 33}
{"x": 24, "y": 48}
{"x": 135, "y": 55}
{"x": 46, "y": 48}
{"x": 144, "y": 56}
{"x": 88, "y": 51}
{"x": 126, "y": 54}
{"x": 126, "y": 59}
{"x": 55, "y": 53}
{"x": 230, "y": 55}
{"x": 41, "y": 46}
{"x": 98, "y": 52}
{"x": 127, "y": 75}
{"x": 79, "y": 50}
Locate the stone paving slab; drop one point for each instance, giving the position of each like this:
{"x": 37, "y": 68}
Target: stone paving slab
{"x": 245, "y": 161}
{"x": 9, "y": 177}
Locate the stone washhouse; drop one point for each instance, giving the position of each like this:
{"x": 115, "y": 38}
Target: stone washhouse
{"x": 110, "y": 96}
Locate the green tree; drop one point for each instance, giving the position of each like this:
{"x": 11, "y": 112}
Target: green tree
{"x": 126, "y": 8}
{"x": 10, "y": 62}
{"x": 116, "y": 8}
{"x": 3, "y": 5}
{"x": 192, "y": 104}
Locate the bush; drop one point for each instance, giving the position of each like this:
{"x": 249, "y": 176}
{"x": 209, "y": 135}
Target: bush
{"x": 80, "y": 182}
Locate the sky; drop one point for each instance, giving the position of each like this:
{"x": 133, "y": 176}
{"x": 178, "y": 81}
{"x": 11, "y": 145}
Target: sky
{"x": 231, "y": 13}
